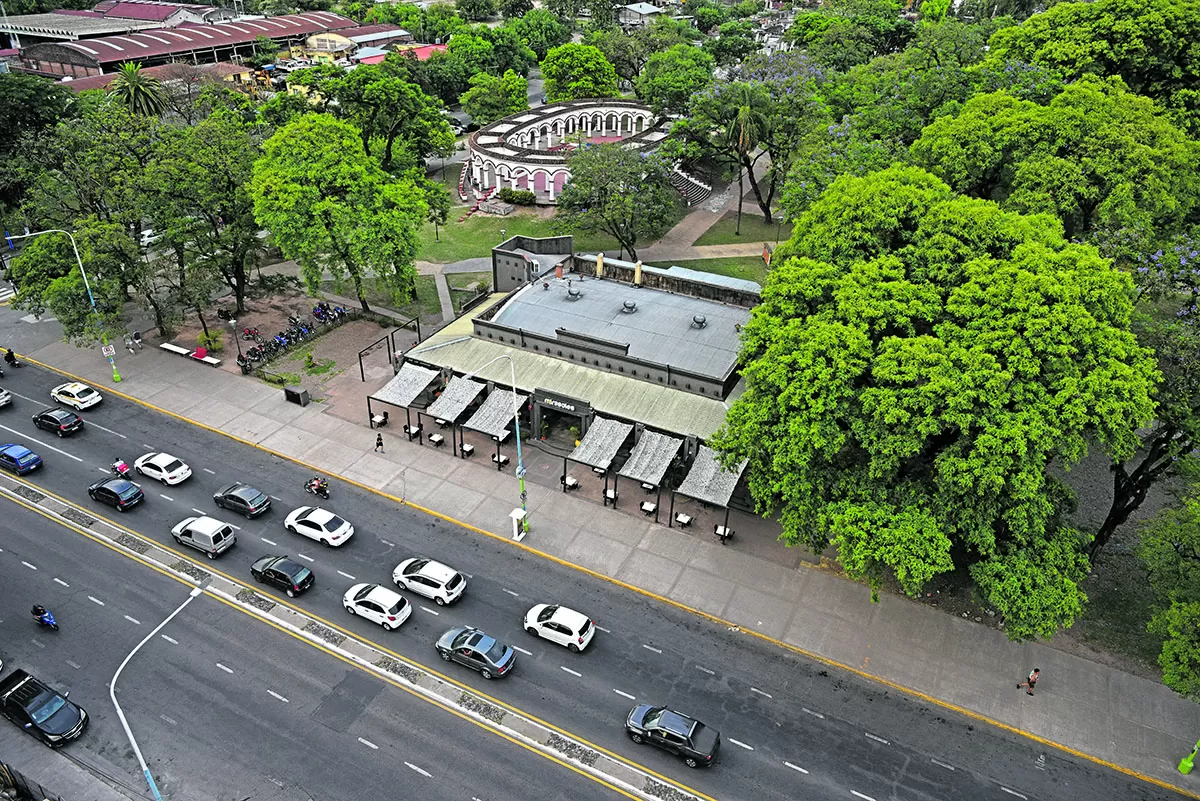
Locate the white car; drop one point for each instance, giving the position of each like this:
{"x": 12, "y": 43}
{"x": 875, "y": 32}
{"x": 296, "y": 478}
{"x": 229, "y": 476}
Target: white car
{"x": 5, "y": 397}
{"x": 319, "y": 524}
{"x": 442, "y": 583}
{"x": 76, "y": 395}
{"x": 561, "y": 625}
{"x": 378, "y": 605}
{"x": 163, "y": 467}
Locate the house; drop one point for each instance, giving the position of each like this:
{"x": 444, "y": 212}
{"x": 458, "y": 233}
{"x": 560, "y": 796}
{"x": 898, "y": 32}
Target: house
{"x": 638, "y": 15}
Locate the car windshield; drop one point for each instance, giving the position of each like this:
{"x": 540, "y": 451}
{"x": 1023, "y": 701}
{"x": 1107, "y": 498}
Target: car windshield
{"x": 173, "y": 465}
{"x": 496, "y": 652}
{"x": 334, "y": 523}
{"x": 301, "y": 575}
{"x": 27, "y": 457}
{"x": 252, "y": 496}
{"x": 395, "y": 610}
{"x": 127, "y": 491}
{"x": 364, "y": 592}
{"x": 45, "y": 705}
{"x": 85, "y": 392}
{"x": 652, "y": 717}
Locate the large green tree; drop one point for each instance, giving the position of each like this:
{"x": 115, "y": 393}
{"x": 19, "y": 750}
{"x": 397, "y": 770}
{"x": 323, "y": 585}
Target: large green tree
{"x": 614, "y": 190}
{"x": 920, "y": 366}
{"x": 540, "y": 31}
{"x": 844, "y": 33}
{"x": 331, "y": 208}
{"x": 141, "y": 93}
{"x": 1170, "y": 551}
{"x": 33, "y": 105}
{"x": 573, "y": 71}
{"x": 673, "y": 77}
{"x": 475, "y": 10}
{"x": 491, "y": 98}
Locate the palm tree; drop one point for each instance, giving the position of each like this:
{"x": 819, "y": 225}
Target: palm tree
{"x": 142, "y": 94}
{"x": 746, "y": 127}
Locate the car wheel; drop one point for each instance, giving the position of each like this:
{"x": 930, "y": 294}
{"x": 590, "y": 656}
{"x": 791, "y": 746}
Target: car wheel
{"x": 401, "y": 584}
{"x": 211, "y": 555}
{"x": 440, "y": 601}
{"x": 572, "y": 647}
{"x": 290, "y": 593}
{"x": 350, "y": 609}
{"x": 532, "y": 631}
{"x": 692, "y": 762}
{"x": 220, "y": 503}
{"x": 637, "y": 738}
{"x": 386, "y": 627}
{"x": 291, "y": 529}
{"x": 487, "y": 674}
{"x": 178, "y": 541}
{"x": 444, "y": 655}
{"x": 326, "y": 543}
{"x": 61, "y": 433}
{"x": 122, "y": 509}
{"x": 140, "y": 471}
{"x": 257, "y": 577}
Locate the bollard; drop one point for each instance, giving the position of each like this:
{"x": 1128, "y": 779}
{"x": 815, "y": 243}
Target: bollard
{"x": 1185, "y": 764}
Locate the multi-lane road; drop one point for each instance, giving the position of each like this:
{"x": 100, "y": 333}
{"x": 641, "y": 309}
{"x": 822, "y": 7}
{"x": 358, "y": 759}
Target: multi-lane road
{"x": 792, "y": 728}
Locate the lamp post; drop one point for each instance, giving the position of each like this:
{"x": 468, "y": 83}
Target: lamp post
{"x": 112, "y": 687}
{"x": 91, "y": 299}
{"x": 516, "y": 430}
{"x": 238, "y": 339}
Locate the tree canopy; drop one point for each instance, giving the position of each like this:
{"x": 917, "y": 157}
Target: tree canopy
{"x": 919, "y": 363}
{"x": 491, "y": 98}
{"x": 573, "y": 72}
{"x": 671, "y": 78}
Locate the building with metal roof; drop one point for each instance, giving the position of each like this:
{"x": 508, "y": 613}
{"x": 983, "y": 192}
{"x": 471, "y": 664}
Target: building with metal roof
{"x": 105, "y": 19}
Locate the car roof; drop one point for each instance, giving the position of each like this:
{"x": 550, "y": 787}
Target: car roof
{"x": 437, "y": 571}
{"x": 114, "y": 483}
{"x": 55, "y": 412}
{"x": 383, "y": 595}
{"x": 677, "y": 723}
{"x": 159, "y": 458}
{"x": 206, "y": 524}
{"x": 14, "y": 449}
{"x": 318, "y": 515}
{"x": 569, "y": 617}
{"x": 73, "y": 386}
{"x": 243, "y": 491}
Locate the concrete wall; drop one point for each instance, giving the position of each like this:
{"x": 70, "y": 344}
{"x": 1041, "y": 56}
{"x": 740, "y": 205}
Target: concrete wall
{"x": 667, "y": 283}
{"x": 511, "y": 270}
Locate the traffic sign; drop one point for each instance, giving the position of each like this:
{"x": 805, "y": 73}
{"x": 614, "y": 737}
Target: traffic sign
{"x": 109, "y": 350}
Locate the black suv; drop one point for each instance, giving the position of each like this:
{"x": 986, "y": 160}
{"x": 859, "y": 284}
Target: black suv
{"x": 41, "y": 710}
{"x": 60, "y": 421}
{"x": 674, "y": 732}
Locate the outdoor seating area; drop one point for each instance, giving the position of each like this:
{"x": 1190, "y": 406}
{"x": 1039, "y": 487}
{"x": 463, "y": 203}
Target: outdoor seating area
{"x": 199, "y": 354}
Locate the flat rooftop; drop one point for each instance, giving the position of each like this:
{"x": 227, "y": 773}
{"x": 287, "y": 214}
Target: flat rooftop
{"x": 660, "y": 331}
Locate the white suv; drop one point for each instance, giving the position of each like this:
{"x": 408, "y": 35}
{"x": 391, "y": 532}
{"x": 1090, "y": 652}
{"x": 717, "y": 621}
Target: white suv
{"x": 442, "y": 583}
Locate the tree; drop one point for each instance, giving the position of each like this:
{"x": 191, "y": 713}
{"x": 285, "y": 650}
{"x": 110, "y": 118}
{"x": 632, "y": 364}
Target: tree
{"x": 625, "y": 52}
{"x": 604, "y": 12}
{"x": 565, "y": 10}
{"x": 1170, "y": 552}
{"x": 624, "y": 193}
{"x": 475, "y": 10}
{"x": 512, "y": 9}
{"x": 708, "y": 15}
{"x": 849, "y": 32}
{"x": 330, "y": 207}
{"x": 265, "y": 51}
{"x": 540, "y": 31}
{"x": 33, "y": 105}
{"x": 573, "y": 72}
{"x": 673, "y": 77}
{"x": 440, "y": 22}
{"x": 141, "y": 94}
{"x": 491, "y": 98}
{"x": 438, "y": 199}
{"x": 734, "y": 41}
{"x": 920, "y": 366}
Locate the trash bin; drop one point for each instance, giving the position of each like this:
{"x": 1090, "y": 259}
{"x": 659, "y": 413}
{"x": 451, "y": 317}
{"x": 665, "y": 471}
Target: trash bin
{"x": 296, "y": 395}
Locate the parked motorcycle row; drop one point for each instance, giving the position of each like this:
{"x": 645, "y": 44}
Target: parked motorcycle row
{"x": 267, "y": 348}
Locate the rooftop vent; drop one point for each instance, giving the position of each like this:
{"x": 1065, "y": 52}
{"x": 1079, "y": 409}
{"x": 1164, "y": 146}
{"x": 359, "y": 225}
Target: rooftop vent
{"x": 629, "y": 307}
{"x": 574, "y": 294}
{"x": 699, "y": 321}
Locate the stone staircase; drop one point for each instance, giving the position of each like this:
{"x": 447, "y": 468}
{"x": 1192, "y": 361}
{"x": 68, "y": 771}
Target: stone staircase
{"x": 693, "y": 191}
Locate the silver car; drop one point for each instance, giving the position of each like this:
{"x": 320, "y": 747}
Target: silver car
{"x": 471, "y": 647}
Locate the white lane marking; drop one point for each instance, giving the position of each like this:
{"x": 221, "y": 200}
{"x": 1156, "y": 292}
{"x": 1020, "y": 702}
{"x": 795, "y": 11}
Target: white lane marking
{"x": 147, "y": 445}
{"x": 795, "y": 767}
{"x": 222, "y": 667}
{"x": 943, "y": 765}
{"x": 72, "y": 664}
{"x": 601, "y": 628}
{"x": 198, "y": 511}
{"x": 166, "y": 497}
{"x": 102, "y": 470}
{"x": 740, "y": 743}
{"x": 652, "y": 648}
{"x": 44, "y": 445}
{"x": 95, "y": 600}
{"x": 90, "y": 424}
{"x": 235, "y": 528}
{"x": 267, "y": 541}
{"x": 31, "y": 567}
{"x": 277, "y": 696}
{"x": 388, "y": 544}
{"x": 468, "y": 575}
{"x": 134, "y": 621}
{"x": 306, "y": 558}
{"x": 808, "y": 711}
{"x": 343, "y": 574}
{"x": 168, "y": 720}
{"x": 210, "y": 472}
{"x": 510, "y": 592}
{"x": 572, "y": 672}
{"x": 39, "y": 644}
{"x": 706, "y": 670}
{"x": 624, "y": 695}
{"x": 368, "y": 744}
{"x": 876, "y": 739}
{"x": 522, "y": 650}
{"x": 1011, "y": 792}
{"x": 431, "y": 611}
{"x": 171, "y": 640}
{"x": 424, "y": 773}
{"x": 760, "y": 692}
{"x": 857, "y": 794}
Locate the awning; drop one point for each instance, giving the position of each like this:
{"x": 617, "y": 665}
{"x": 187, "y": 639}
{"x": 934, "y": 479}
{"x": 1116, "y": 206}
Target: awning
{"x": 493, "y": 417}
{"x": 601, "y": 443}
{"x": 410, "y": 382}
{"x": 707, "y": 481}
{"x": 651, "y": 457}
{"x": 455, "y": 398}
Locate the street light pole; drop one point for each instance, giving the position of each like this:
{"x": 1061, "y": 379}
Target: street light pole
{"x": 112, "y": 688}
{"x": 238, "y": 339}
{"x": 512, "y": 370}
{"x": 91, "y": 299}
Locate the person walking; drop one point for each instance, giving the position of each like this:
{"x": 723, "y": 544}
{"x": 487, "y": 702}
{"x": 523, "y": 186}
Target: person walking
{"x": 379, "y": 443}
{"x": 1034, "y": 675}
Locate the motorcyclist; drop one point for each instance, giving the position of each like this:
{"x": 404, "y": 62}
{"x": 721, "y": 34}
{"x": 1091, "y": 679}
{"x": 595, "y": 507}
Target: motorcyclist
{"x": 10, "y": 357}
{"x": 120, "y": 467}
{"x": 39, "y": 613}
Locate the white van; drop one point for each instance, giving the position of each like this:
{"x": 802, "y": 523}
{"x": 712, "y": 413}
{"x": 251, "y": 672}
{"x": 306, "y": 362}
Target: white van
{"x": 205, "y": 534}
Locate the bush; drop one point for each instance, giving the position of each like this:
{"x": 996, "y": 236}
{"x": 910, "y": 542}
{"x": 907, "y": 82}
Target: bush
{"x": 518, "y": 197}
{"x": 214, "y": 341}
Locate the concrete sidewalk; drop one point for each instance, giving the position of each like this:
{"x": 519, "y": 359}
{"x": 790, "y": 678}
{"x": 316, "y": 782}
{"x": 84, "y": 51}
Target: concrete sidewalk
{"x": 1082, "y": 706}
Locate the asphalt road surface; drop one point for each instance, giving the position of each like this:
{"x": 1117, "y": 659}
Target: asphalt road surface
{"x": 792, "y": 728}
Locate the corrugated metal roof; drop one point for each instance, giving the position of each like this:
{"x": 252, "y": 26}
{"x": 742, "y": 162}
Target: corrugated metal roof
{"x": 650, "y": 458}
{"x": 660, "y": 331}
{"x": 657, "y": 406}
{"x": 493, "y": 417}
{"x": 64, "y": 23}
{"x": 410, "y": 382}
{"x": 709, "y": 482}
{"x": 601, "y": 443}
{"x": 455, "y": 398}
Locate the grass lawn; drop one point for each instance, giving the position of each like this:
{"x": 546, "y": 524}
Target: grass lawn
{"x": 451, "y": 183}
{"x": 1120, "y": 603}
{"x": 750, "y": 268}
{"x": 426, "y": 304}
{"x": 753, "y": 229}
{"x": 460, "y": 284}
{"x": 475, "y": 237}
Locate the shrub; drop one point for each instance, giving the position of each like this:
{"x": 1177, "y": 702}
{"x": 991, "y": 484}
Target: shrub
{"x": 214, "y": 341}
{"x": 518, "y": 197}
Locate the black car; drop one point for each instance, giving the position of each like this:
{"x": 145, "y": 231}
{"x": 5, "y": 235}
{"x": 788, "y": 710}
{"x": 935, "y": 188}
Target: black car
{"x": 280, "y": 571}
{"x": 41, "y": 710}
{"x": 674, "y": 732}
{"x": 60, "y": 421}
{"x": 243, "y": 499}
{"x": 118, "y": 492}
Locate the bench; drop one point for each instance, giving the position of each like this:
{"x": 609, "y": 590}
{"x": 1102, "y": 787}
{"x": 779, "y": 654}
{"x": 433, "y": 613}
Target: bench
{"x": 683, "y": 520}
{"x": 649, "y": 488}
{"x": 207, "y": 360}
{"x": 649, "y": 508}
{"x": 412, "y": 432}
{"x": 441, "y": 423}
{"x": 500, "y": 461}
{"x": 599, "y": 471}
{"x": 723, "y": 534}
{"x": 178, "y": 351}
{"x": 437, "y": 439}
{"x": 468, "y": 450}
{"x": 610, "y": 496}
{"x": 570, "y": 483}
{"x": 379, "y": 420}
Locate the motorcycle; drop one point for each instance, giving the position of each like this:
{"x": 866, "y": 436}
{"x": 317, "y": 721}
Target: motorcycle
{"x": 317, "y": 486}
{"x": 46, "y": 619}
{"x": 121, "y": 469}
